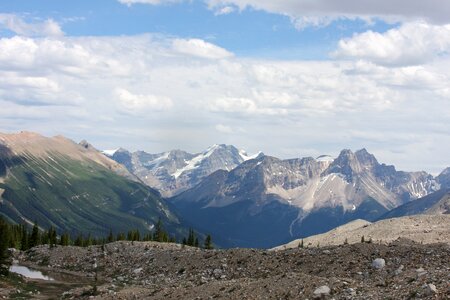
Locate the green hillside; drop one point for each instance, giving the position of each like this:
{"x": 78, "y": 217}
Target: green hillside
{"x": 77, "y": 195}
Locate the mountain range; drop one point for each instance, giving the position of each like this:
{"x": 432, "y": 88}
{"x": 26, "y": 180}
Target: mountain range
{"x": 268, "y": 201}
{"x": 241, "y": 200}
{"x": 175, "y": 171}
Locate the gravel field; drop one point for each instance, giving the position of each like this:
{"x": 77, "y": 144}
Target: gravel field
{"x": 147, "y": 270}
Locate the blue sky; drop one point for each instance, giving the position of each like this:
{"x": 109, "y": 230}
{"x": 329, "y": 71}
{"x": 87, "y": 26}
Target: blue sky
{"x": 250, "y": 32}
{"x": 292, "y": 78}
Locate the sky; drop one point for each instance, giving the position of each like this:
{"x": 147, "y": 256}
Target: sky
{"x": 292, "y": 78}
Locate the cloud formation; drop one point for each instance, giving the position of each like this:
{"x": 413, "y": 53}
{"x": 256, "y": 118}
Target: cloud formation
{"x": 410, "y": 44}
{"x": 157, "y": 93}
{"x": 322, "y": 12}
{"x": 200, "y": 48}
{"x": 141, "y": 104}
{"x": 19, "y": 26}
{"x": 152, "y": 2}
{"x": 319, "y": 13}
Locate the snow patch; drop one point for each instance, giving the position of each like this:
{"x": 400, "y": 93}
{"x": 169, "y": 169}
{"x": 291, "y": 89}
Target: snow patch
{"x": 196, "y": 161}
{"x": 243, "y": 154}
{"x": 110, "y": 152}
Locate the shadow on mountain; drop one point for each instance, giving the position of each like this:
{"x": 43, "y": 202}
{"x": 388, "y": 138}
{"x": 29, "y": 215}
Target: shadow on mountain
{"x": 8, "y": 159}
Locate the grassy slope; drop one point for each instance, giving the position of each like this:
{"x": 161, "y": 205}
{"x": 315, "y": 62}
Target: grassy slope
{"x": 79, "y": 196}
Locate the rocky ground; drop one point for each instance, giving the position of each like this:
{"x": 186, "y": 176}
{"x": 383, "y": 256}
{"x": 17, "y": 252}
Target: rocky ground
{"x": 423, "y": 229}
{"x": 146, "y": 270}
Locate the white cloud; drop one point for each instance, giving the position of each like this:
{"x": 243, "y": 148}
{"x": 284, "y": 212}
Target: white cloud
{"x": 200, "y": 48}
{"x": 142, "y": 92}
{"x": 321, "y": 12}
{"x": 19, "y": 26}
{"x": 224, "y": 128}
{"x": 225, "y": 10}
{"x": 141, "y": 104}
{"x": 151, "y": 2}
{"x": 411, "y": 44}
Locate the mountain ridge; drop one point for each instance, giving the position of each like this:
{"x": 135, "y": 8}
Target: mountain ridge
{"x": 74, "y": 188}
{"x": 174, "y": 171}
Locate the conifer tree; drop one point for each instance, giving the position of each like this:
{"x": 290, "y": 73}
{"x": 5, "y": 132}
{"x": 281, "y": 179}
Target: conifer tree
{"x": 4, "y": 243}
{"x": 65, "y": 239}
{"x": 191, "y": 238}
{"x": 52, "y": 237}
{"x": 110, "y": 236}
{"x": 79, "y": 241}
{"x": 24, "y": 238}
{"x": 208, "y": 242}
{"x": 35, "y": 238}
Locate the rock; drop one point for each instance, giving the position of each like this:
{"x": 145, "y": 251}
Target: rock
{"x": 351, "y": 291}
{"x": 378, "y": 263}
{"x": 137, "y": 271}
{"x": 322, "y": 291}
{"x": 420, "y": 272}
{"x": 217, "y": 273}
{"x": 430, "y": 289}
{"x": 399, "y": 270}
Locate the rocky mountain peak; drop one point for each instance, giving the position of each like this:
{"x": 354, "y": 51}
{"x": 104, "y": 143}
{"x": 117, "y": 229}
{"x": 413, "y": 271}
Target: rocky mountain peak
{"x": 349, "y": 163}
{"x": 366, "y": 158}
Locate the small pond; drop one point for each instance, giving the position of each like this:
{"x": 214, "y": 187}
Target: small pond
{"x": 29, "y": 273}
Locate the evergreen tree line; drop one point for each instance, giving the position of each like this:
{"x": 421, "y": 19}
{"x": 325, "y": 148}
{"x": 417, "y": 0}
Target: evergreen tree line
{"x": 20, "y": 237}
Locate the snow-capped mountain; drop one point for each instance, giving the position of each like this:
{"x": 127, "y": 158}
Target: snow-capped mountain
{"x": 297, "y": 197}
{"x": 175, "y": 171}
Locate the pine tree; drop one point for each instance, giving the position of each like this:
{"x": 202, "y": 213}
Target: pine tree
{"x": 208, "y": 242}
{"x": 110, "y": 236}
{"x": 79, "y": 241}
{"x": 35, "y": 238}
{"x": 88, "y": 241}
{"x": 158, "y": 235}
{"x": 5, "y": 261}
{"x": 24, "y": 238}
{"x": 65, "y": 239}
{"x": 120, "y": 236}
{"x": 191, "y": 238}
{"x": 52, "y": 237}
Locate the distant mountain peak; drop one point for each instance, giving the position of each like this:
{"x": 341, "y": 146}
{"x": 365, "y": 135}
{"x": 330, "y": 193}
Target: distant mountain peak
{"x": 174, "y": 171}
